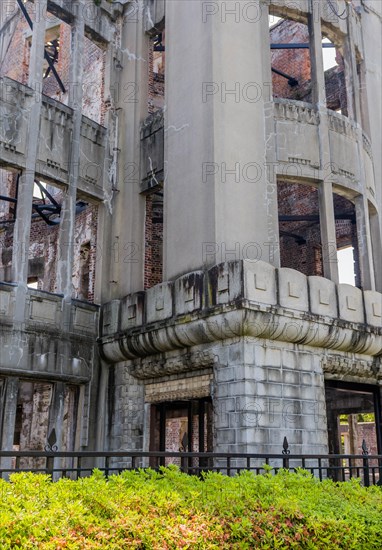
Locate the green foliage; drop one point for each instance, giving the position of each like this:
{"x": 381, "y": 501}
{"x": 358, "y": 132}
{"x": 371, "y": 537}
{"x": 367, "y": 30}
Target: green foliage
{"x": 169, "y": 510}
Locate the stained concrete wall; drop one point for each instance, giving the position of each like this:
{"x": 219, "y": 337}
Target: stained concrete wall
{"x": 240, "y": 331}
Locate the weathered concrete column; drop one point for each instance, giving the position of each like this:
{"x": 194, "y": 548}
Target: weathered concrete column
{"x": 21, "y": 235}
{"x": 364, "y": 243}
{"x": 325, "y": 190}
{"x": 9, "y": 416}
{"x": 112, "y": 157}
{"x": 56, "y": 419}
{"x": 68, "y": 207}
{"x": 102, "y": 408}
{"x": 351, "y": 75}
{"x": 362, "y": 210}
{"x": 270, "y": 174}
{"x": 371, "y": 20}
{"x": 217, "y": 203}
{"x": 126, "y": 243}
{"x": 376, "y": 239}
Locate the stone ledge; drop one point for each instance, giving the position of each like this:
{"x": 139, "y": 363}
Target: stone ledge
{"x": 36, "y": 310}
{"x": 243, "y": 298}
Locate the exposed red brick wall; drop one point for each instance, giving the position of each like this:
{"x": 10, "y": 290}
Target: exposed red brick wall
{"x": 153, "y": 241}
{"x": 16, "y": 66}
{"x": 295, "y": 63}
{"x": 44, "y": 238}
{"x": 156, "y": 64}
{"x": 44, "y": 247}
{"x": 365, "y": 431}
{"x": 16, "y": 60}
{"x": 299, "y": 200}
{"x": 295, "y": 199}
{"x": 335, "y": 87}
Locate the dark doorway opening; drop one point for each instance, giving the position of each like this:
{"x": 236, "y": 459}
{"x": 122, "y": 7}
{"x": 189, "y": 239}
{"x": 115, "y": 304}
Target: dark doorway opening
{"x": 354, "y": 426}
{"x": 354, "y": 420}
{"x": 182, "y": 426}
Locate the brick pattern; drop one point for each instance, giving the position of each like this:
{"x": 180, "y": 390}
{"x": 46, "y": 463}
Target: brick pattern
{"x": 44, "y": 238}
{"x": 153, "y": 241}
{"x": 153, "y": 266}
{"x": 44, "y": 246}
{"x": 295, "y": 63}
{"x": 365, "y": 431}
{"x": 295, "y": 199}
{"x": 156, "y": 78}
{"x": 298, "y": 199}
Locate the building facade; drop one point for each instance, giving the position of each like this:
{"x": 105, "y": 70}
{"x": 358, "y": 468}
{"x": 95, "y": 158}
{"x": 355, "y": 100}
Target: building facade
{"x": 179, "y": 182}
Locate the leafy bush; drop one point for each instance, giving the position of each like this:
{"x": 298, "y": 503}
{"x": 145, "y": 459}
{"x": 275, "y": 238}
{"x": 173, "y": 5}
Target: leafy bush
{"x": 170, "y": 510}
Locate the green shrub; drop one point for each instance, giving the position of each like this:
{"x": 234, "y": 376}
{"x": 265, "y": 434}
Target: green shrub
{"x": 170, "y": 510}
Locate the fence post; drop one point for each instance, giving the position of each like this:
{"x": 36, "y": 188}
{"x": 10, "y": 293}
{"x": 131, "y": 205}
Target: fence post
{"x": 366, "y": 469}
{"x": 51, "y": 447}
{"x": 286, "y": 452}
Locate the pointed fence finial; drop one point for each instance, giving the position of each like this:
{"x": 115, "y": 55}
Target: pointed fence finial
{"x": 51, "y": 446}
{"x": 286, "y": 450}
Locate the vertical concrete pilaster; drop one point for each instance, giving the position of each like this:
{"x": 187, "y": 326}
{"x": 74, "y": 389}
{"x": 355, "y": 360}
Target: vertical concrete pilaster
{"x": 68, "y": 207}
{"x": 325, "y": 190}
{"x": 365, "y": 251}
{"x": 21, "y": 235}
{"x": 216, "y": 148}
{"x": 351, "y": 75}
{"x": 376, "y": 239}
{"x": 126, "y": 268}
{"x": 57, "y": 417}
{"x": 102, "y": 407}
{"x": 105, "y": 260}
{"x": 270, "y": 148}
{"x": 362, "y": 210}
{"x": 9, "y": 413}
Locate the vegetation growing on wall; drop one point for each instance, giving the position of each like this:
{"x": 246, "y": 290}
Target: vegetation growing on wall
{"x": 170, "y": 510}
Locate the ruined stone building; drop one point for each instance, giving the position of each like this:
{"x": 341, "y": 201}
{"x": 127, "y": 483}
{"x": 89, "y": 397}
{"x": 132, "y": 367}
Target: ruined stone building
{"x": 179, "y": 180}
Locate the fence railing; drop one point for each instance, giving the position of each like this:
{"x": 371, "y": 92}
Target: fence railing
{"x": 76, "y": 464}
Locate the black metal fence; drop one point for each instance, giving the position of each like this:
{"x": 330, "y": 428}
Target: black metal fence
{"x": 76, "y": 464}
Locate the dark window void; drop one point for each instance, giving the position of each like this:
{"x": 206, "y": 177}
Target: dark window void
{"x": 84, "y": 282}
{"x": 290, "y": 59}
{"x": 32, "y": 420}
{"x": 157, "y": 66}
{"x": 354, "y": 416}
{"x": 184, "y": 426}
{"x": 299, "y": 225}
{"x": 154, "y": 239}
{"x": 57, "y": 62}
{"x": 37, "y": 406}
{"x": 335, "y": 83}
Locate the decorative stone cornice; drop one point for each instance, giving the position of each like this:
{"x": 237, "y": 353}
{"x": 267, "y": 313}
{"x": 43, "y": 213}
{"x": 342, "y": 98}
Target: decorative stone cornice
{"x": 166, "y": 365}
{"x": 238, "y": 299}
{"x": 342, "y": 125}
{"x": 343, "y": 367}
{"x": 296, "y": 111}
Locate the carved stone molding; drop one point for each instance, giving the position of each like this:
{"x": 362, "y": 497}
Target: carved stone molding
{"x": 296, "y": 111}
{"x": 343, "y": 367}
{"x": 162, "y": 365}
{"x": 342, "y": 125}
